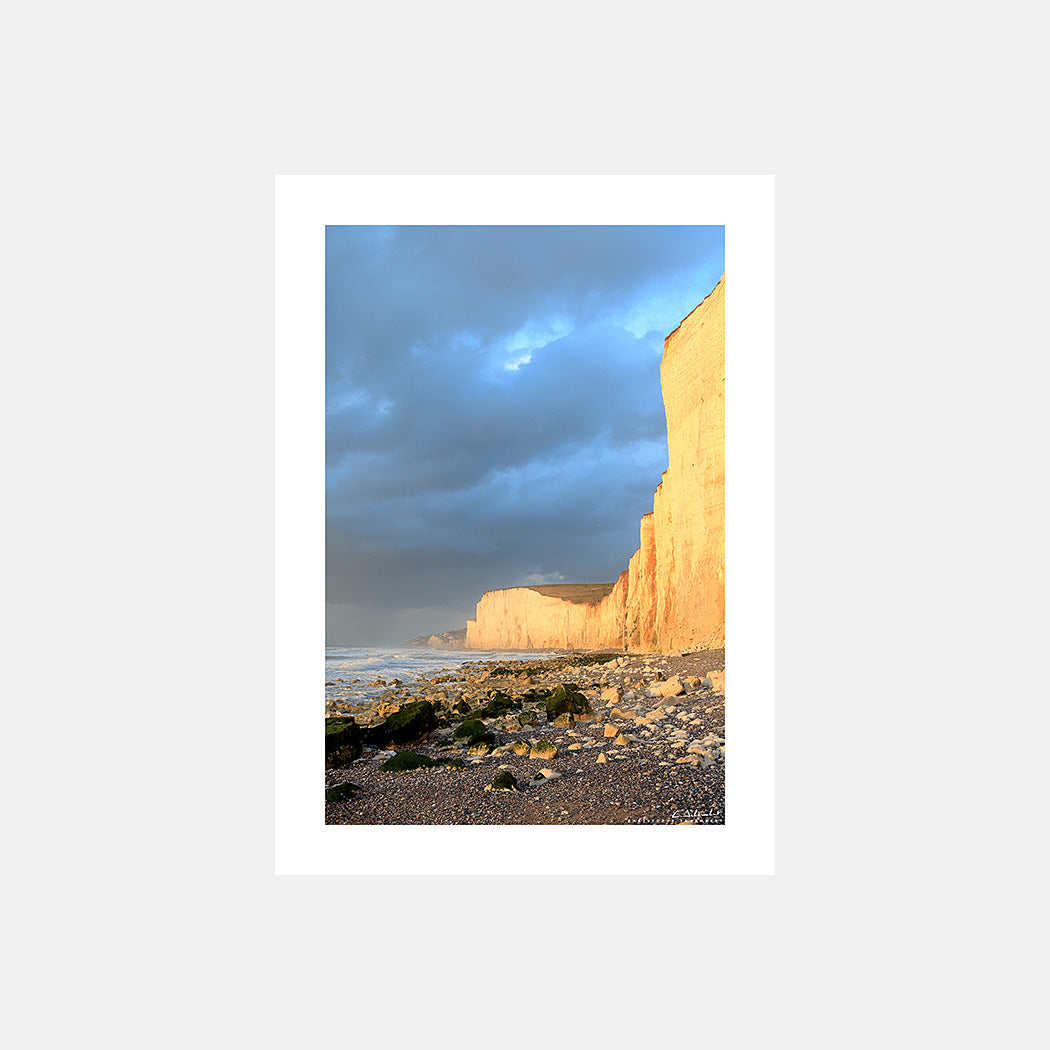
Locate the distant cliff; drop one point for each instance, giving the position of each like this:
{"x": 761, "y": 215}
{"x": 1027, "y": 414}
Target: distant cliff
{"x": 444, "y": 640}
{"x": 672, "y": 594}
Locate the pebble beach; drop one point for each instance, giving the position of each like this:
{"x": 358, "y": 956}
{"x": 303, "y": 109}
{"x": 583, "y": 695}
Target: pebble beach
{"x": 644, "y": 743}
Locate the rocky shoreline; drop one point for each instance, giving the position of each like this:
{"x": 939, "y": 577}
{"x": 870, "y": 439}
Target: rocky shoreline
{"x": 584, "y": 738}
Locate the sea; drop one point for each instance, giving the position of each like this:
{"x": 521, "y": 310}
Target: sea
{"x": 349, "y": 669}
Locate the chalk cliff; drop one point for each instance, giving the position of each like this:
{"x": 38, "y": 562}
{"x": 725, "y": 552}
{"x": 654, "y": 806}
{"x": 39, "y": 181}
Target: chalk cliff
{"x": 672, "y": 594}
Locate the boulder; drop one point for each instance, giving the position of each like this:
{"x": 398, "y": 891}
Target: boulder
{"x": 342, "y": 742}
{"x": 406, "y": 760}
{"x": 543, "y": 749}
{"x": 473, "y": 727}
{"x": 505, "y": 781}
{"x": 497, "y": 706}
{"x": 410, "y": 722}
{"x": 567, "y": 699}
{"x": 341, "y": 792}
{"x": 672, "y": 687}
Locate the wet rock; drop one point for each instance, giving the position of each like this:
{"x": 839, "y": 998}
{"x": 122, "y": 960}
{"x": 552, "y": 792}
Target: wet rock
{"x": 567, "y": 699}
{"x": 497, "y": 705}
{"x": 409, "y": 722}
{"x": 342, "y": 742}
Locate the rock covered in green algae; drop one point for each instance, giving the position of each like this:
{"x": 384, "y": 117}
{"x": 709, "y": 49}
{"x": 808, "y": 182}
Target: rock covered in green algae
{"x": 408, "y": 723}
{"x": 567, "y": 699}
{"x": 505, "y": 781}
{"x": 470, "y": 729}
{"x": 543, "y": 749}
{"x": 406, "y": 760}
{"x": 342, "y": 742}
{"x": 498, "y": 705}
{"x": 341, "y": 792}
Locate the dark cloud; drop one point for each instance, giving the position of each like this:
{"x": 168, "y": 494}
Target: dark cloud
{"x": 494, "y": 414}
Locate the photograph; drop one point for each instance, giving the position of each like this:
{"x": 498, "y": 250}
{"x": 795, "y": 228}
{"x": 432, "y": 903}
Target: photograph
{"x": 525, "y": 542}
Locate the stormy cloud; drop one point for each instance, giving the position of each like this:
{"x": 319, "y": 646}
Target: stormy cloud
{"x": 493, "y": 410}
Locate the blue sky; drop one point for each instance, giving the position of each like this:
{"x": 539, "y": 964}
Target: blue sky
{"x": 493, "y": 409}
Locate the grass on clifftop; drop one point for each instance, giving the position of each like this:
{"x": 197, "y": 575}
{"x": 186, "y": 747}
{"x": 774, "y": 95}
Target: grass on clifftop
{"x": 578, "y": 593}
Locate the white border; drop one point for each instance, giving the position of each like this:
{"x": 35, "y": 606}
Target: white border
{"x": 744, "y": 204}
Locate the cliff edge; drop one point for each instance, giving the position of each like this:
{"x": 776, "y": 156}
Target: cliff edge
{"x": 672, "y": 594}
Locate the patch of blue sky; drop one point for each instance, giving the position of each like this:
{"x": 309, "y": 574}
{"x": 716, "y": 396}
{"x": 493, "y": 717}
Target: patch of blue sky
{"x": 517, "y": 349}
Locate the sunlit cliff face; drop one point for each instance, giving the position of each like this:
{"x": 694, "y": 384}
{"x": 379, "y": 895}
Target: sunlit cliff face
{"x": 672, "y": 595}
